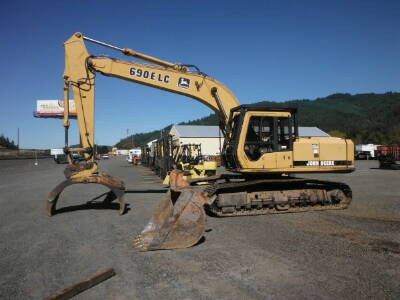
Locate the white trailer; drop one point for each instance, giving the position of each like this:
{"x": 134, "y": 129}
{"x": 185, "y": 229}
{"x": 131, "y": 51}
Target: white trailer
{"x": 58, "y": 155}
{"x": 366, "y": 151}
{"x": 136, "y": 152}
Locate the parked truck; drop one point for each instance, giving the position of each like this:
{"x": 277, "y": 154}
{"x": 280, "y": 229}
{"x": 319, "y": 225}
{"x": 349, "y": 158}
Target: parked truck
{"x": 388, "y": 156}
{"x": 366, "y": 151}
{"x": 134, "y": 155}
{"x": 58, "y": 155}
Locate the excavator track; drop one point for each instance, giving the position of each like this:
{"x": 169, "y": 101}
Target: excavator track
{"x": 272, "y": 196}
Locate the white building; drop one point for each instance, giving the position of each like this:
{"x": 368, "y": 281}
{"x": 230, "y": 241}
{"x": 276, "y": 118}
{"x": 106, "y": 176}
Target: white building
{"x": 312, "y": 132}
{"x": 121, "y": 152}
{"x": 150, "y": 145}
{"x": 211, "y": 138}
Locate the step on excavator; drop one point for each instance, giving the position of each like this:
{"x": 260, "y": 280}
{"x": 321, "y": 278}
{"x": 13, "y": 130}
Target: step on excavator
{"x": 262, "y": 150}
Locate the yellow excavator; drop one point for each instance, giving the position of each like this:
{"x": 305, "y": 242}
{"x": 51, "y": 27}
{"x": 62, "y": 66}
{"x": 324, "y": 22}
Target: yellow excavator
{"x": 262, "y": 150}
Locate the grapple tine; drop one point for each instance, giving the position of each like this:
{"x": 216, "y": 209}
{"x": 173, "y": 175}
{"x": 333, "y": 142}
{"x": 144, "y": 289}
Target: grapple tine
{"x": 115, "y": 185}
{"x": 119, "y": 193}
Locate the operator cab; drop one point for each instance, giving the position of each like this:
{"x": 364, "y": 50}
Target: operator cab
{"x": 265, "y": 129}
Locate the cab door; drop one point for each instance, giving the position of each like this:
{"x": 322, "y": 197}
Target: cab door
{"x": 267, "y": 142}
{"x": 259, "y": 144}
{"x": 284, "y": 160}
{"x": 284, "y": 142}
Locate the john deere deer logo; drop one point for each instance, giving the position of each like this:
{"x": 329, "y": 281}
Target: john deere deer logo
{"x": 184, "y": 83}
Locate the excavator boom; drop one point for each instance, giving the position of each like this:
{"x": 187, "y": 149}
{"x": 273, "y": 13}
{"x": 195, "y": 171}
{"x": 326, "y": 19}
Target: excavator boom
{"x": 80, "y": 69}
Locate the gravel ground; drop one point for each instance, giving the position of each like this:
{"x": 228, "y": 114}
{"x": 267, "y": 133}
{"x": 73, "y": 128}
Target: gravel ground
{"x": 350, "y": 254}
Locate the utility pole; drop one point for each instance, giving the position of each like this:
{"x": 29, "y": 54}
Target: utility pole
{"x": 18, "y": 141}
{"x": 132, "y": 141}
{"x": 127, "y": 133}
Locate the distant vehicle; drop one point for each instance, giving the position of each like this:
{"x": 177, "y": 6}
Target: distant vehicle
{"x": 59, "y": 156}
{"x": 56, "y": 151}
{"x": 366, "y": 151}
{"x": 105, "y": 156}
{"x": 61, "y": 159}
{"x": 135, "y": 152}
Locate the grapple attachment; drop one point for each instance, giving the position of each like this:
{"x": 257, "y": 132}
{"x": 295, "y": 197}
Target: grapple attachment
{"x": 83, "y": 174}
{"x": 178, "y": 222}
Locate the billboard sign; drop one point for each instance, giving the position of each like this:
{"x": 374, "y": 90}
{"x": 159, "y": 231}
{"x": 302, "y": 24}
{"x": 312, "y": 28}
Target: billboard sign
{"x": 53, "y": 109}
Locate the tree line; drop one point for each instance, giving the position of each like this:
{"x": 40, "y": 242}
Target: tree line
{"x": 5, "y": 142}
{"x": 364, "y": 118}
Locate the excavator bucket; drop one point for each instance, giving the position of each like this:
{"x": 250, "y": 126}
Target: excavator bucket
{"x": 116, "y": 186}
{"x": 178, "y": 222}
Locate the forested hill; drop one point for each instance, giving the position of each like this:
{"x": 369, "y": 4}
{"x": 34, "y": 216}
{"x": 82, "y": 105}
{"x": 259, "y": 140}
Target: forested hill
{"x": 366, "y": 118}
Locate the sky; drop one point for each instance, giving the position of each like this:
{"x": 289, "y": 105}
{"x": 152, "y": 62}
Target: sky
{"x": 262, "y": 50}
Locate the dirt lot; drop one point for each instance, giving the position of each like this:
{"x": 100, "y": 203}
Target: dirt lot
{"x": 351, "y": 254}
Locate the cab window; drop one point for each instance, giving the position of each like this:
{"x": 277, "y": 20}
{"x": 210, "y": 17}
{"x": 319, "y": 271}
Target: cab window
{"x": 259, "y": 137}
{"x": 267, "y": 135}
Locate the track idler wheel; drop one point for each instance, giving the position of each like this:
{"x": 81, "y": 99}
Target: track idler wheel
{"x": 116, "y": 186}
{"x": 281, "y": 201}
{"x": 337, "y": 196}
